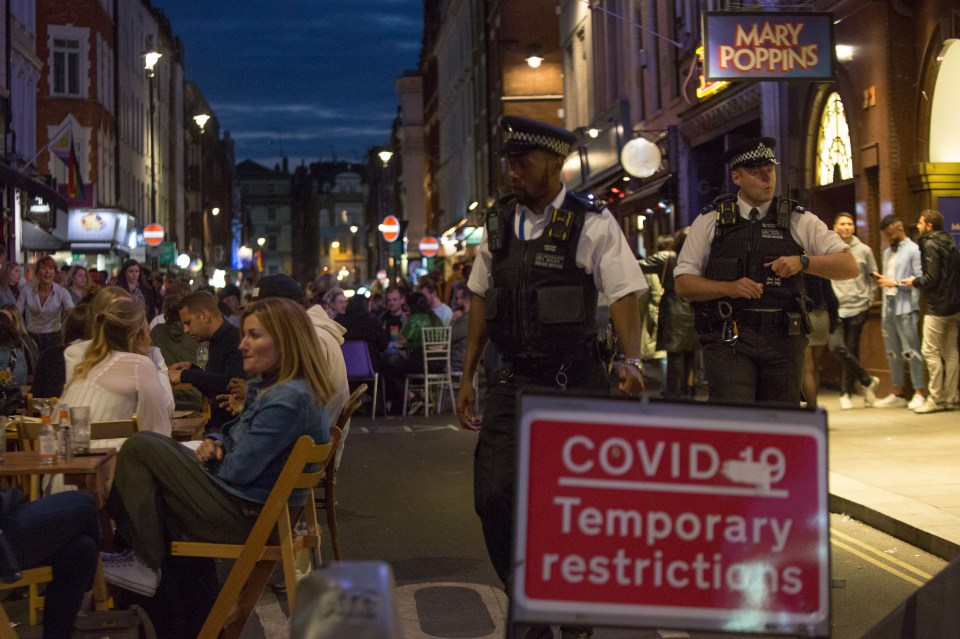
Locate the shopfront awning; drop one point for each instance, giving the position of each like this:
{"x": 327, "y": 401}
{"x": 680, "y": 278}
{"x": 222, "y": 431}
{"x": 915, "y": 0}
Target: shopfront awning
{"x": 33, "y": 187}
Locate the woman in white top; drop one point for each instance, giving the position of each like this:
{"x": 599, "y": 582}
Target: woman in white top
{"x": 115, "y": 378}
{"x": 43, "y": 303}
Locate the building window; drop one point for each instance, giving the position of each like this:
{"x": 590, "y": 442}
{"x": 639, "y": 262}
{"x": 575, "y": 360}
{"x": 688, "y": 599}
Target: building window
{"x": 66, "y": 67}
{"x": 834, "y": 157}
{"x": 272, "y": 213}
{"x": 271, "y": 242}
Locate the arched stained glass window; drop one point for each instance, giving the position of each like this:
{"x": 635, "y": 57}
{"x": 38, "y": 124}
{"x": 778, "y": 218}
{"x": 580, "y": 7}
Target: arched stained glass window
{"x": 834, "y": 158}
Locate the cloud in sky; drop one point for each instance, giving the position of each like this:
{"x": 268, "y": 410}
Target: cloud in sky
{"x": 308, "y": 78}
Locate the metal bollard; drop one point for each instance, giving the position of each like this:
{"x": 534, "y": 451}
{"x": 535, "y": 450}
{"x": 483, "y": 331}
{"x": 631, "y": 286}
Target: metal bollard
{"x": 346, "y": 599}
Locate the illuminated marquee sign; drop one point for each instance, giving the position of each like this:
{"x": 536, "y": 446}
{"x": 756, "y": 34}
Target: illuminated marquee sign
{"x": 671, "y": 516}
{"x": 706, "y": 89}
{"x": 768, "y": 46}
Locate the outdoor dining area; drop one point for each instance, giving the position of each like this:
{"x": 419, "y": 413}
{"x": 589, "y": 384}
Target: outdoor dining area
{"x": 165, "y": 490}
{"x": 89, "y": 468}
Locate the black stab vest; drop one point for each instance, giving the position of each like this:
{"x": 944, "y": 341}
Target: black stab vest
{"x": 541, "y": 304}
{"x": 740, "y": 248}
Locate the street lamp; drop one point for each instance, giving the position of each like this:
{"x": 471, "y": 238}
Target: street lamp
{"x": 201, "y": 119}
{"x": 353, "y": 251}
{"x": 382, "y": 251}
{"x": 150, "y": 59}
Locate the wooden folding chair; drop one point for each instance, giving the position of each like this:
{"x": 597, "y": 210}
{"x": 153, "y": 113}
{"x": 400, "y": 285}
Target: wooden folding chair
{"x": 31, "y": 578}
{"x": 328, "y": 499}
{"x": 117, "y": 429}
{"x": 256, "y": 559}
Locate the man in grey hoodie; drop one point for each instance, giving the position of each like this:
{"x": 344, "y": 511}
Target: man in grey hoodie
{"x": 940, "y": 284}
{"x": 855, "y": 297}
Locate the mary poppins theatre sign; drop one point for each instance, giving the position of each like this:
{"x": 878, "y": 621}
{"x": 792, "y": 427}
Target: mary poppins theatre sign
{"x": 768, "y": 46}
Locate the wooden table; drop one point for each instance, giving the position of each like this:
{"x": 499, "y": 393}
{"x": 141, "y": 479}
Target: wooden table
{"x": 90, "y": 473}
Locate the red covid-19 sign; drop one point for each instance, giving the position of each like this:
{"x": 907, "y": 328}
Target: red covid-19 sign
{"x": 674, "y": 516}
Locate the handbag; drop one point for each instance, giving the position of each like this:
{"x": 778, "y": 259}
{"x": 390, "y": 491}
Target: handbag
{"x": 132, "y": 623}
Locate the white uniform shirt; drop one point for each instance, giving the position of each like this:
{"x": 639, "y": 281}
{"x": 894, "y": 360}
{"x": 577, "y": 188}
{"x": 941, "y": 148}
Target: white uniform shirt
{"x": 808, "y": 231}
{"x": 602, "y": 252}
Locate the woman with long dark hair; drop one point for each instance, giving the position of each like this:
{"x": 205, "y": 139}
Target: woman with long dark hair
{"x": 133, "y": 280}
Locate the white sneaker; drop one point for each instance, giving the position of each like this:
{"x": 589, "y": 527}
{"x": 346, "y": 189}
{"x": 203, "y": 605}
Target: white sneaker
{"x": 870, "y": 392}
{"x": 890, "y": 401}
{"x": 916, "y": 402}
{"x": 128, "y": 571}
{"x": 845, "y": 402}
{"x": 929, "y": 406}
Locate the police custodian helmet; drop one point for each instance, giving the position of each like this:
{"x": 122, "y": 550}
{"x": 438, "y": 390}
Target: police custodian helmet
{"x": 752, "y": 153}
{"x": 522, "y": 135}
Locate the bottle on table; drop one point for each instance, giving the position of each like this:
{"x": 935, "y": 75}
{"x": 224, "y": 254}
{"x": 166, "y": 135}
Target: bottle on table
{"x": 64, "y": 413}
{"x": 66, "y": 436}
{"x": 47, "y": 441}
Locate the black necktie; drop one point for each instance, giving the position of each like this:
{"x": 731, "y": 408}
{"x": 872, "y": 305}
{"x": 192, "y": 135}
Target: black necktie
{"x": 754, "y": 214}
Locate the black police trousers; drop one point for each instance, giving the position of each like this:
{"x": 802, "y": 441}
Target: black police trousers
{"x": 494, "y": 460}
{"x": 764, "y": 365}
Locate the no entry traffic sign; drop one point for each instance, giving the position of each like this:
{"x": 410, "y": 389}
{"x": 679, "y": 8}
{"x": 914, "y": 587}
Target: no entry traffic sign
{"x": 672, "y": 515}
{"x": 429, "y": 246}
{"x": 153, "y": 235}
{"x": 390, "y": 227}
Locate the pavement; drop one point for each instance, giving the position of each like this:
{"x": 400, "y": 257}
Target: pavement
{"x": 897, "y": 471}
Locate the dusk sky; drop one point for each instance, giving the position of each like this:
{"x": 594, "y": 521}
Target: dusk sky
{"x": 306, "y": 78}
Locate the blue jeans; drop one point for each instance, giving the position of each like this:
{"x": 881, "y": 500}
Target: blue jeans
{"x": 62, "y": 531}
{"x": 901, "y": 340}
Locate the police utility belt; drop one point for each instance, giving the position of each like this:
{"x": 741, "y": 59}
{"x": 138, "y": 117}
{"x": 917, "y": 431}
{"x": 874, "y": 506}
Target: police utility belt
{"x": 723, "y": 317}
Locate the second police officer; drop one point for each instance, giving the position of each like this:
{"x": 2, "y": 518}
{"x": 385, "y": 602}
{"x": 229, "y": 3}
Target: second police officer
{"x": 742, "y": 268}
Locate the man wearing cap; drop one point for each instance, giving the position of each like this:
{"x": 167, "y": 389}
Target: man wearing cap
{"x": 742, "y": 267}
{"x": 546, "y": 254}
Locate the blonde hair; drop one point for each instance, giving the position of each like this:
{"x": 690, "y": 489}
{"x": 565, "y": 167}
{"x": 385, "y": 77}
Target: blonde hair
{"x": 296, "y": 339}
{"x": 118, "y": 325}
{"x": 72, "y": 273}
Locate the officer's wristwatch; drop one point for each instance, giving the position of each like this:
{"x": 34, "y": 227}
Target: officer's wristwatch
{"x": 804, "y": 262}
{"x": 636, "y": 362}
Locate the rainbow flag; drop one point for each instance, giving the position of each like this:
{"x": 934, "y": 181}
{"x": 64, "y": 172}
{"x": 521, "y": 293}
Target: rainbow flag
{"x": 68, "y": 154}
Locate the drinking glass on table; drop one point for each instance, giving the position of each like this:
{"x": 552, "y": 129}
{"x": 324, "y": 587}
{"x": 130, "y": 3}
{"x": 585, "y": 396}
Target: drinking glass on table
{"x": 203, "y": 354}
{"x": 80, "y": 422}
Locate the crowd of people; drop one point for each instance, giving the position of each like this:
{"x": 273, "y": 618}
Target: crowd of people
{"x": 735, "y": 323}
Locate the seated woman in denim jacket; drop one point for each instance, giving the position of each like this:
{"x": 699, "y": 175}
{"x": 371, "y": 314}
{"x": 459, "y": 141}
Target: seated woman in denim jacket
{"x": 160, "y": 492}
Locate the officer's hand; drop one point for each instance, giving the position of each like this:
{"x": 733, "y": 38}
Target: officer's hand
{"x": 744, "y": 288}
{"x": 467, "y": 405}
{"x": 908, "y": 281}
{"x": 631, "y": 379}
{"x": 785, "y": 266}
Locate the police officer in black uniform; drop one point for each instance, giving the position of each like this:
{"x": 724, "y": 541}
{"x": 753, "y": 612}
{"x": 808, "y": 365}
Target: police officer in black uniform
{"x": 742, "y": 267}
{"x": 546, "y": 254}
